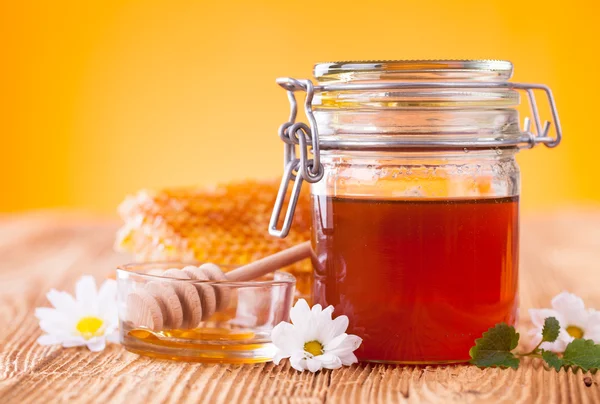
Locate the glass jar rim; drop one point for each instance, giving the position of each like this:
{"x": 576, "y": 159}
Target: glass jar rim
{"x": 435, "y": 69}
{"x": 128, "y": 270}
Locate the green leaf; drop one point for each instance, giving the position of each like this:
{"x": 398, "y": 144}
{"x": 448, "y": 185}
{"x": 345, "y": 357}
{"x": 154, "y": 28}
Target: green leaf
{"x": 493, "y": 348}
{"x": 552, "y": 359}
{"x": 551, "y": 330}
{"x": 582, "y": 353}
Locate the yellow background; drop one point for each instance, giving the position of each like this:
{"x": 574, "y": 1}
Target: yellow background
{"x": 101, "y": 98}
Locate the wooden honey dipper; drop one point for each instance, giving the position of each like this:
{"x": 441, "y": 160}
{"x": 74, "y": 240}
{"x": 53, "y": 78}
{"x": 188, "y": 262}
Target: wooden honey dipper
{"x": 183, "y": 305}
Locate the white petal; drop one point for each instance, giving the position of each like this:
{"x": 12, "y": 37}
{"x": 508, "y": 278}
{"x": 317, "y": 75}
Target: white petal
{"x": 316, "y": 309}
{"x": 591, "y": 326}
{"x": 313, "y": 365}
{"x": 566, "y": 302}
{"x": 113, "y": 337}
{"x": 312, "y": 330}
{"x": 49, "y": 339}
{"x": 110, "y": 317}
{"x": 591, "y": 322}
{"x": 335, "y": 342}
{"x": 594, "y": 317}
{"x": 297, "y": 361}
{"x": 349, "y": 344}
{"x": 334, "y": 329}
{"x": 340, "y": 325}
{"x": 577, "y": 318}
{"x": 319, "y": 326}
{"x": 327, "y": 312}
{"x": 593, "y": 334}
{"x": 538, "y": 316}
{"x": 53, "y": 321}
{"x": 107, "y": 296}
{"x": 300, "y": 313}
{"x": 96, "y": 344}
{"x": 329, "y": 361}
{"x": 279, "y": 356}
{"x": 324, "y": 325}
{"x": 285, "y": 338}
{"x": 86, "y": 294}
{"x": 51, "y": 327}
{"x": 110, "y": 328}
{"x": 556, "y": 346}
{"x": 73, "y": 341}
{"x": 48, "y": 314}
{"x": 62, "y": 301}
{"x": 348, "y": 358}
{"x": 321, "y": 331}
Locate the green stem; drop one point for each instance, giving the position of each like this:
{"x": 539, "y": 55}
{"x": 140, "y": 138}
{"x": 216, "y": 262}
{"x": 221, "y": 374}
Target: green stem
{"x": 533, "y": 351}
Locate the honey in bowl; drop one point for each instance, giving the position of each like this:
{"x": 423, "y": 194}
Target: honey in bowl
{"x": 419, "y": 279}
{"x": 208, "y": 344}
{"x": 182, "y": 323}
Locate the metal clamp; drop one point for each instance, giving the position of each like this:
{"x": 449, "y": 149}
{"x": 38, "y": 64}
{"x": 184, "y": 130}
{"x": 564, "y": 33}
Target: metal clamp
{"x": 296, "y": 169}
{"x": 297, "y": 133}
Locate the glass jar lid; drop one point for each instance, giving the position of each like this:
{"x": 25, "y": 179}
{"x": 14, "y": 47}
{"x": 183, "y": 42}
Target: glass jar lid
{"x": 344, "y": 84}
{"x": 371, "y": 70}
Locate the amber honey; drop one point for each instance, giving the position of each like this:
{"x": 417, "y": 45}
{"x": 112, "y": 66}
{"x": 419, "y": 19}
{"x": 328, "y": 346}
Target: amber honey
{"x": 419, "y": 279}
{"x": 208, "y": 344}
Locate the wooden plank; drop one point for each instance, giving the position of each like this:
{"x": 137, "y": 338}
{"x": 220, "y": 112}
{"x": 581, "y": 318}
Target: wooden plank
{"x": 42, "y": 251}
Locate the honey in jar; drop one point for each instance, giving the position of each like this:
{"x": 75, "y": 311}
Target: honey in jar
{"x": 415, "y": 199}
{"x": 445, "y": 271}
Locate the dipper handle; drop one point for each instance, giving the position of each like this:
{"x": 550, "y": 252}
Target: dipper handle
{"x": 271, "y": 263}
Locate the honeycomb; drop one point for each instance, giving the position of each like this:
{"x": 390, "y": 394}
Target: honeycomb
{"x": 226, "y": 224}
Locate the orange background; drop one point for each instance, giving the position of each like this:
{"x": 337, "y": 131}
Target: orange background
{"x": 101, "y": 98}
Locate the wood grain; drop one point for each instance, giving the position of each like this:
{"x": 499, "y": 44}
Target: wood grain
{"x": 40, "y": 251}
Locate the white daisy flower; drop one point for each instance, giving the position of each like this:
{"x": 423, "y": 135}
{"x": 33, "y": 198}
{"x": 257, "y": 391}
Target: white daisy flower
{"x": 314, "y": 341}
{"x": 89, "y": 319}
{"x": 575, "y": 322}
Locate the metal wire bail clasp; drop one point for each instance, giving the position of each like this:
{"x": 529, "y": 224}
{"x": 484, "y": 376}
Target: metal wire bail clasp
{"x": 296, "y": 169}
{"x": 541, "y": 134}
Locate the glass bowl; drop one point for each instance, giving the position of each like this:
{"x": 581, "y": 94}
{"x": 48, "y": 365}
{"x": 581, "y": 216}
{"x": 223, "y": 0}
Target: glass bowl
{"x": 236, "y": 330}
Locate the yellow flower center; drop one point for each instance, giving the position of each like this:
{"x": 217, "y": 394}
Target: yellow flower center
{"x": 314, "y": 347}
{"x": 88, "y": 326}
{"x": 575, "y": 331}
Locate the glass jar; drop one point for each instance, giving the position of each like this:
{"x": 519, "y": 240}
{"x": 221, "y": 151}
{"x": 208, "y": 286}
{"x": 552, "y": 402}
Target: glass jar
{"x": 415, "y": 199}
{"x": 156, "y": 314}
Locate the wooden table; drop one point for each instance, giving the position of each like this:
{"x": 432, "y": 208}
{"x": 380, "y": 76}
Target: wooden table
{"x": 39, "y": 251}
